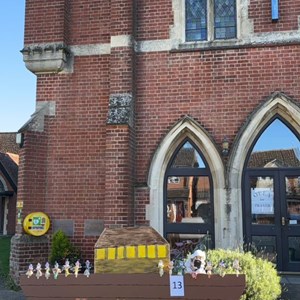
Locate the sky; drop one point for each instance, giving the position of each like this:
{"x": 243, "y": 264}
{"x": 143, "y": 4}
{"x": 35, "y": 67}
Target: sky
{"x": 17, "y": 84}
{"x": 277, "y": 136}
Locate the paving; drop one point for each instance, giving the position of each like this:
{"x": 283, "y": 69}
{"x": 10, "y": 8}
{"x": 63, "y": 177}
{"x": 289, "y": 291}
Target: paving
{"x": 7, "y": 294}
{"x": 290, "y": 285}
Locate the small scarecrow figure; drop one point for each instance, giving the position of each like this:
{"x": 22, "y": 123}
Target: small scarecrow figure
{"x": 76, "y": 268}
{"x": 236, "y": 267}
{"x": 47, "y": 270}
{"x": 66, "y": 268}
{"x": 171, "y": 267}
{"x": 87, "y": 269}
{"x": 160, "y": 268}
{"x": 222, "y": 267}
{"x": 38, "y": 271}
{"x": 29, "y": 271}
{"x": 195, "y": 263}
{"x": 209, "y": 269}
{"x": 56, "y": 270}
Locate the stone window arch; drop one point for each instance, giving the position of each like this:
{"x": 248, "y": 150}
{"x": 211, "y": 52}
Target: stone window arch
{"x": 186, "y": 129}
{"x": 278, "y": 104}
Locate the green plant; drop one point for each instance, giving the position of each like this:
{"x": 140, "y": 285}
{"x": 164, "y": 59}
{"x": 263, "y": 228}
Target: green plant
{"x": 262, "y": 280}
{"x": 62, "y": 249}
{"x": 4, "y": 255}
{"x": 4, "y": 263}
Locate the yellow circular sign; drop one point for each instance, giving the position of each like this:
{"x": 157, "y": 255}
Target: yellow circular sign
{"x": 36, "y": 223}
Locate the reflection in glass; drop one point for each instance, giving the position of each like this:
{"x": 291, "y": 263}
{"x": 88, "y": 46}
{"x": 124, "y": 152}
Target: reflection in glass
{"x": 225, "y": 19}
{"x": 182, "y": 244}
{"x": 270, "y": 152}
{"x": 188, "y": 199}
{"x": 292, "y": 188}
{"x": 265, "y": 247}
{"x": 196, "y": 20}
{"x": 187, "y": 157}
{"x": 294, "y": 249}
{"x": 262, "y": 200}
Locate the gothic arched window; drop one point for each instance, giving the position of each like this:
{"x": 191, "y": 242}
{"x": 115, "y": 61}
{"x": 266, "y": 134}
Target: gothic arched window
{"x": 188, "y": 206}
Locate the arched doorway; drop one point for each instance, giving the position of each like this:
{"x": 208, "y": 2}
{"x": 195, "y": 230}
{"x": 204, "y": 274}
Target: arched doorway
{"x": 188, "y": 197}
{"x": 271, "y": 201}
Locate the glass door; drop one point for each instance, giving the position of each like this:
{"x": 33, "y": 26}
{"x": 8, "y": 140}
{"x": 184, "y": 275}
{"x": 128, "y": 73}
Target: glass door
{"x": 290, "y": 220}
{"x": 262, "y": 215}
{"x": 272, "y": 216}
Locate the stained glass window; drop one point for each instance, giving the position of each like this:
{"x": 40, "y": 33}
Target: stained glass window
{"x": 196, "y": 20}
{"x": 217, "y": 17}
{"x": 225, "y": 19}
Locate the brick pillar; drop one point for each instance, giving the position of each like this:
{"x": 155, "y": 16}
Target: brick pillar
{"x": 45, "y": 51}
{"x": 120, "y": 133}
{"x": 27, "y": 249}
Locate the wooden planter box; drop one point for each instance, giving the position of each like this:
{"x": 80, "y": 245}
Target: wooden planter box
{"x": 131, "y": 286}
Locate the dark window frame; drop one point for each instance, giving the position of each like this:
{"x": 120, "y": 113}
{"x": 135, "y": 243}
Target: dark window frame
{"x": 188, "y": 228}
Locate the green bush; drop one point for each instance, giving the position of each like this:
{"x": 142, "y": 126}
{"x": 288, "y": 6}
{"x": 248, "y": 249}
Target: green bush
{"x": 262, "y": 280}
{"x": 62, "y": 249}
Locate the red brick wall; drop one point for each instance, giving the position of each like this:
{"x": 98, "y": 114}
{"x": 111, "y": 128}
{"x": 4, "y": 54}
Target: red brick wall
{"x": 121, "y": 70}
{"x": 154, "y": 19}
{"x": 89, "y": 22}
{"x": 121, "y": 17}
{"x": 76, "y": 167}
{"x": 219, "y": 89}
{"x": 32, "y": 172}
{"x": 46, "y": 21}
{"x": 261, "y": 14}
{"x": 27, "y": 250}
{"x": 118, "y": 185}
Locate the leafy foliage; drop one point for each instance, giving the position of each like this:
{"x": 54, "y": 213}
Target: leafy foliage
{"x": 62, "y": 248}
{"x": 262, "y": 280}
{"x": 4, "y": 255}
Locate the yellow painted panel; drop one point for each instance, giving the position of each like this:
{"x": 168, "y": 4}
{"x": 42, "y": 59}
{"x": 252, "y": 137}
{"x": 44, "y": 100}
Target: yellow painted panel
{"x": 151, "y": 251}
{"x": 161, "y": 251}
{"x": 100, "y": 254}
{"x": 120, "y": 252}
{"x": 111, "y": 253}
{"x": 142, "y": 251}
{"x": 130, "y": 252}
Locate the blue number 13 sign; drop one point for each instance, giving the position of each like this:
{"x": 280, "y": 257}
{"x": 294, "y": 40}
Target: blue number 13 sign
{"x": 176, "y": 286}
{"x": 275, "y": 10}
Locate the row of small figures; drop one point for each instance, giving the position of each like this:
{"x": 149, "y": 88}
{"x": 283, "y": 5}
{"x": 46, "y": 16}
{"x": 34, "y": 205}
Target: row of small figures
{"x": 56, "y": 270}
{"x": 196, "y": 264}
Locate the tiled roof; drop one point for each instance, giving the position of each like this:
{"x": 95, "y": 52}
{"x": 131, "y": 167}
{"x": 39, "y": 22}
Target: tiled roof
{"x": 8, "y": 143}
{"x": 10, "y": 167}
{"x": 279, "y": 158}
{"x": 186, "y": 157}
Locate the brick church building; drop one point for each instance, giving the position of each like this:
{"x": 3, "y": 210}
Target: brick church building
{"x": 149, "y": 112}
